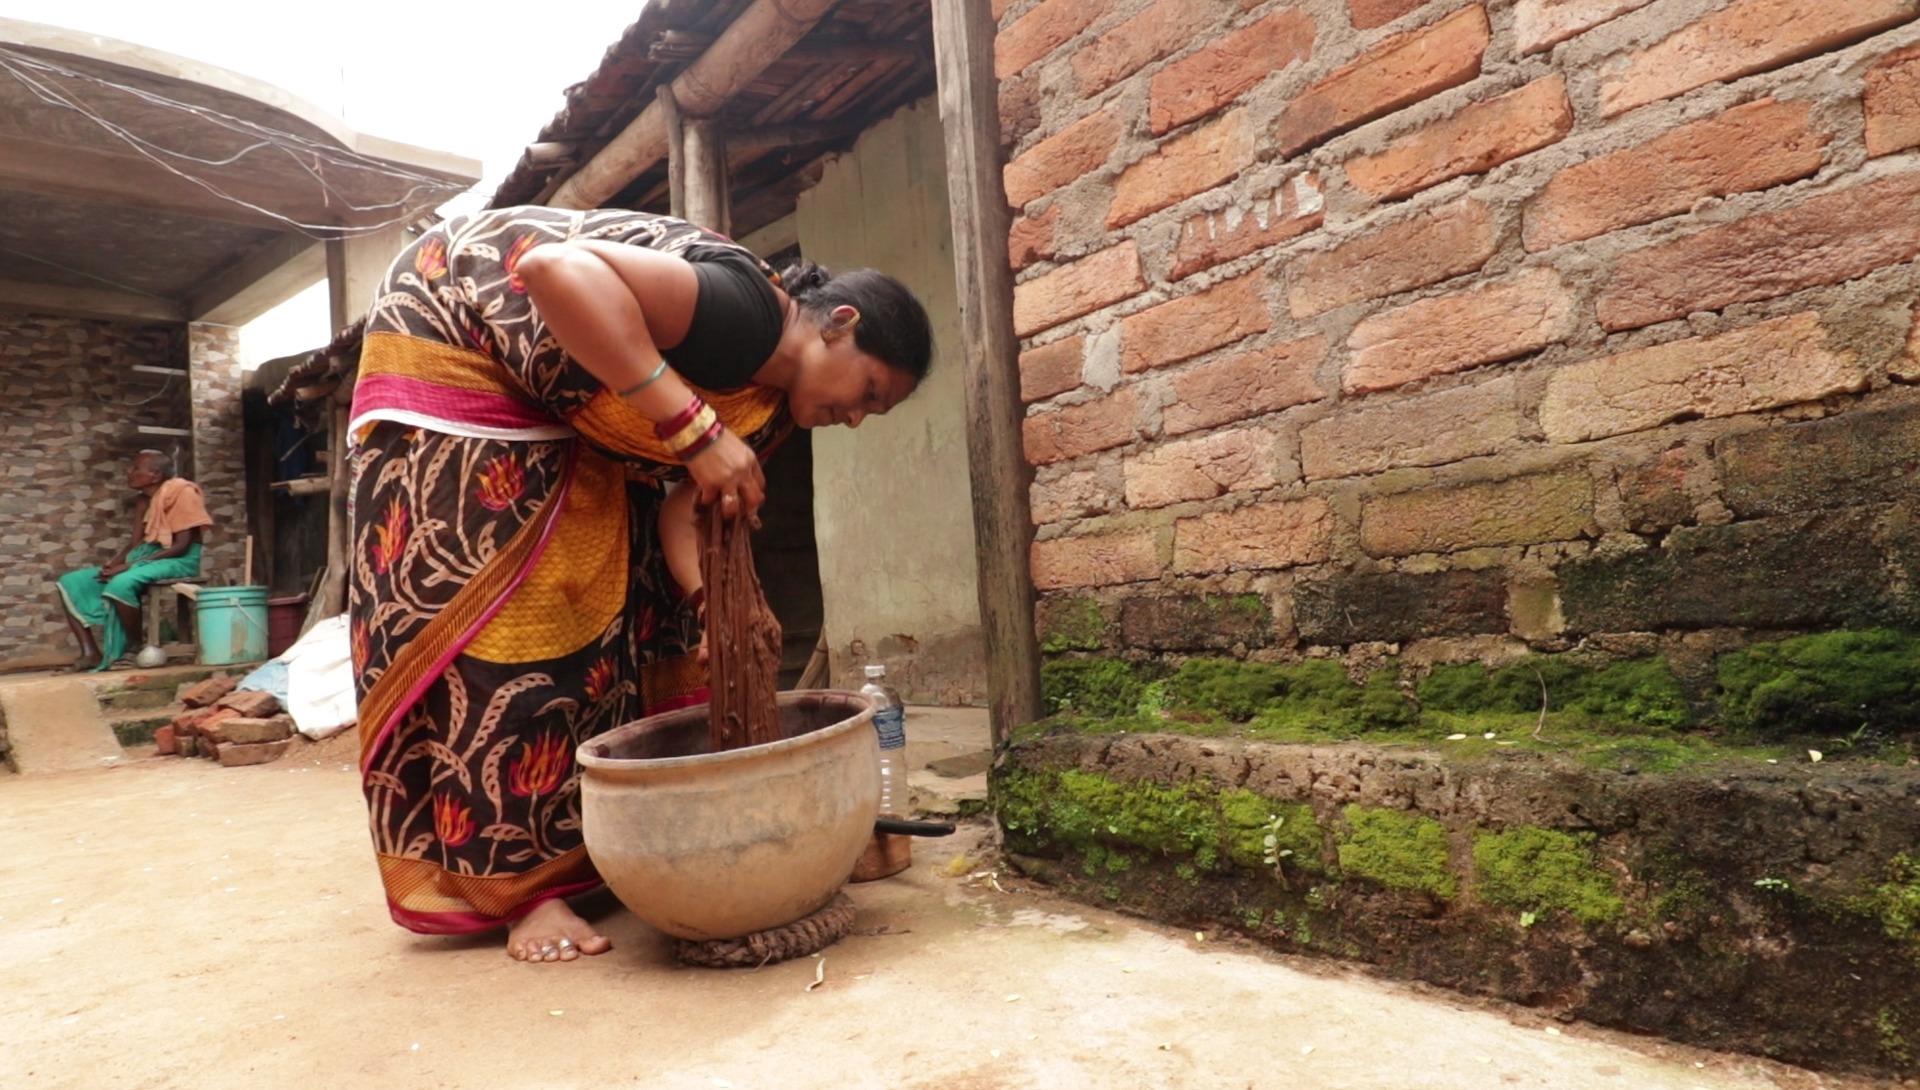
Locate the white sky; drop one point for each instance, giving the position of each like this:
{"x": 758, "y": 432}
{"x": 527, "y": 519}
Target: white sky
{"x": 437, "y": 75}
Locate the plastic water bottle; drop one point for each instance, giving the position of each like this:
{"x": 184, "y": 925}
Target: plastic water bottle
{"x": 890, "y": 722}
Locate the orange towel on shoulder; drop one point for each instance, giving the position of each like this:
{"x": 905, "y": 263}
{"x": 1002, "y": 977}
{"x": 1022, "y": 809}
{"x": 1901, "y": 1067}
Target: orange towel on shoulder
{"x": 176, "y": 505}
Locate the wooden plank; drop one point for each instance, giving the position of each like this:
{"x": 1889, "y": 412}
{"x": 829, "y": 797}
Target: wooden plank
{"x": 963, "y": 33}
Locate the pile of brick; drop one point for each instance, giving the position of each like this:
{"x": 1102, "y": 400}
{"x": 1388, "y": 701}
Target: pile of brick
{"x": 230, "y": 725}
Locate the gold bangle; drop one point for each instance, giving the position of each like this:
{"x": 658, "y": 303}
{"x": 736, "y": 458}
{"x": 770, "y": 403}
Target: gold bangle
{"x": 691, "y": 434}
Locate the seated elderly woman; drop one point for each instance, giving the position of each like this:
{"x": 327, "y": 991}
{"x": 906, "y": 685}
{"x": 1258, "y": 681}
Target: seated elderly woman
{"x": 168, "y": 520}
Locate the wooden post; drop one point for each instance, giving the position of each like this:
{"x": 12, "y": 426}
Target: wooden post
{"x": 676, "y": 152}
{"x": 706, "y": 156}
{"x": 963, "y": 33}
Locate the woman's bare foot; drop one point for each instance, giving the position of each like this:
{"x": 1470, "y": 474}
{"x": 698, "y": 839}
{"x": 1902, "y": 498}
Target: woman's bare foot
{"x": 553, "y": 932}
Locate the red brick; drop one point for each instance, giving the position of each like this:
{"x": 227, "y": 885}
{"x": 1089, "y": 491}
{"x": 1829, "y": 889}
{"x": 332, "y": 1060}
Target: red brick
{"x": 196, "y": 722}
{"x": 1435, "y": 245}
{"x": 1083, "y": 287}
{"x": 1245, "y": 385}
{"x": 1202, "y": 82}
{"x": 205, "y": 693}
{"x": 1744, "y": 37}
{"x": 1184, "y": 328}
{"x": 1538, "y": 24}
{"x": 1893, "y": 102}
{"x": 1779, "y": 362}
{"x": 1074, "y": 495}
{"x": 1398, "y": 72}
{"x": 1041, "y": 31}
{"x": 252, "y": 704}
{"x": 1019, "y": 100}
{"x": 1430, "y": 430}
{"x": 241, "y": 730}
{"x": 1059, "y": 434}
{"x": 1210, "y": 238}
{"x": 1051, "y": 368}
{"x": 165, "y": 744}
{"x": 1755, "y": 146}
{"x": 1093, "y": 560}
{"x": 1189, "y": 164}
{"x": 1162, "y": 29}
{"x": 1475, "y": 140}
{"x": 1368, "y": 14}
{"x": 1061, "y": 158}
{"x": 1031, "y": 239}
{"x": 235, "y": 755}
{"x": 1240, "y": 460}
{"x": 1281, "y": 534}
{"x": 1525, "y": 510}
{"x": 1824, "y": 240}
{"x": 1455, "y": 332}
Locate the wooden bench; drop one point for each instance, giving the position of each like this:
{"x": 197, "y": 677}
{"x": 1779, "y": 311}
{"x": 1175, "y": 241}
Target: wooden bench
{"x": 185, "y": 596}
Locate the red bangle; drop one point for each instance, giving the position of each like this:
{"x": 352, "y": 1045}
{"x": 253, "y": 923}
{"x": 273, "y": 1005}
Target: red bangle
{"x": 711, "y": 437}
{"x": 666, "y": 429}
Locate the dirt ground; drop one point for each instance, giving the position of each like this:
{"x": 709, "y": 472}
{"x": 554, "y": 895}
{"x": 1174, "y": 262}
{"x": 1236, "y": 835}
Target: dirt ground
{"x": 170, "y": 923}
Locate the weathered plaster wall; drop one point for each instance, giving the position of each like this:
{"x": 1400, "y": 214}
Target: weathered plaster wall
{"x": 1456, "y": 328}
{"x": 73, "y": 404}
{"x": 893, "y": 512}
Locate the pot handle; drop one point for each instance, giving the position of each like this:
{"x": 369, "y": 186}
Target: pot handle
{"x": 912, "y": 828}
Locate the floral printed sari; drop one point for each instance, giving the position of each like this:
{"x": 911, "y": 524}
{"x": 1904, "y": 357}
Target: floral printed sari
{"x": 508, "y": 597}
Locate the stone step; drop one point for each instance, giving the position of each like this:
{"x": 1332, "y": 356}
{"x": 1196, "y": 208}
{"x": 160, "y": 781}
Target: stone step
{"x": 128, "y": 700}
{"x": 135, "y": 727}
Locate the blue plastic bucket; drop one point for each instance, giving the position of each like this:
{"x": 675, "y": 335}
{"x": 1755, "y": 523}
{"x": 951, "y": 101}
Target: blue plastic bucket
{"x": 232, "y": 623}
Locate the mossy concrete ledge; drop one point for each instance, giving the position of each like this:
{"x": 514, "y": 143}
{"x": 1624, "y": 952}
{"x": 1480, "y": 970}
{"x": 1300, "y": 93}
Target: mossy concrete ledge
{"x": 1769, "y": 909}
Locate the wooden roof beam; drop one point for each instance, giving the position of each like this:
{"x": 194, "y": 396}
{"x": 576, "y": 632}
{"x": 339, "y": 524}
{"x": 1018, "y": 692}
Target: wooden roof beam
{"x": 761, "y": 35}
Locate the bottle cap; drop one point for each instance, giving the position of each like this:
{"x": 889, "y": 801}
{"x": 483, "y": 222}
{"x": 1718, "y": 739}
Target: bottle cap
{"x": 876, "y": 670}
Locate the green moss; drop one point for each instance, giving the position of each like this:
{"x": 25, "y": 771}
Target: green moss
{"x": 1314, "y": 697}
{"x": 1092, "y": 686}
{"x": 1111, "y": 824}
{"x": 1075, "y": 624}
{"x": 1248, "y": 818}
{"x": 1538, "y": 870}
{"x": 1399, "y": 850}
{"x": 1895, "y": 902}
{"x": 1629, "y": 692}
{"x": 1236, "y": 690}
{"x": 1831, "y": 682}
{"x": 1893, "y": 1043}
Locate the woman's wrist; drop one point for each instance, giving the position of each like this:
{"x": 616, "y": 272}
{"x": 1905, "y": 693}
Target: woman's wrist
{"x": 651, "y": 378}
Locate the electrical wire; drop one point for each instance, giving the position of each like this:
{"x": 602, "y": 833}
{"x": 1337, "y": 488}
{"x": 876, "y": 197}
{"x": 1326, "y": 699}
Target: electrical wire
{"x": 264, "y": 137}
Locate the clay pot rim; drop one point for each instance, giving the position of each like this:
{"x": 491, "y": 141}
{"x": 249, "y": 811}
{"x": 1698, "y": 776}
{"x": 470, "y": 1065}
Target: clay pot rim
{"x": 863, "y": 717}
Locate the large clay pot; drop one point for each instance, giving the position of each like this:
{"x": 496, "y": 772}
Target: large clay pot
{"x": 708, "y": 845}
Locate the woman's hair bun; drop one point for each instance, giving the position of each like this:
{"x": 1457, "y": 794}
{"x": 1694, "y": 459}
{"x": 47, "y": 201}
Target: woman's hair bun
{"x": 803, "y": 278}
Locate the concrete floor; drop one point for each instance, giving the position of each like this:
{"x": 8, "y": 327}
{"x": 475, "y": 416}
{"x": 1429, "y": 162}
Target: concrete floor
{"x": 169, "y": 923}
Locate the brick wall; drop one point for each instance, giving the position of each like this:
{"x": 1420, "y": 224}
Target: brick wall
{"x": 1461, "y": 327}
{"x": 219, "y": 462}
{"x": 73, "y": 403}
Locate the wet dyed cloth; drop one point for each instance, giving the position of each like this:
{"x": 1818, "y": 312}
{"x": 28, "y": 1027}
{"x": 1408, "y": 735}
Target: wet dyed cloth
{"x": 508, "y": 596}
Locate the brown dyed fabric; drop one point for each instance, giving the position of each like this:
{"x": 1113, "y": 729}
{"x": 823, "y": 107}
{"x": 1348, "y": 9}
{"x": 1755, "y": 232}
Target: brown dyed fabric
{"x": 743, "y": 638}
{"x": 176, "y": 505}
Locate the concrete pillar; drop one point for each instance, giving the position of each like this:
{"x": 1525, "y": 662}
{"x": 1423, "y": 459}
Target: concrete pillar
{"x": 218, "y": 464}
{"x": 355, "y": 267}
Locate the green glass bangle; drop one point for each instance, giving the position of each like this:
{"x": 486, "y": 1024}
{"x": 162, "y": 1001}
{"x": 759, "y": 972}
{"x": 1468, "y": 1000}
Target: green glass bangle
{"x": 645, "y": 382}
